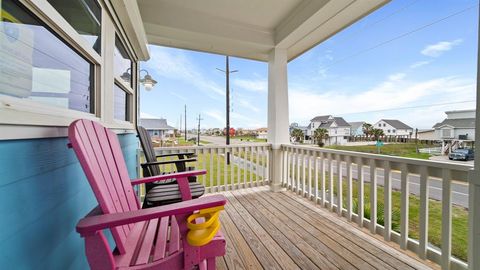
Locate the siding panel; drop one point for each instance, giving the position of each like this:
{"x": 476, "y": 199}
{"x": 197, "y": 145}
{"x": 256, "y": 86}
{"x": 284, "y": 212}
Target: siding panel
{"x": 43, "y": 194}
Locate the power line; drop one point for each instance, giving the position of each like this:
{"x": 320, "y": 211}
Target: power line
{"x": 399, "y": 37}
{"x": 411, "y": 107}
{"x": 395, "y": 12}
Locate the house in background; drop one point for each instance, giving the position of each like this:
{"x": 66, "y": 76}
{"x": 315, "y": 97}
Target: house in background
{"x": 338, "y": 129}
{"x": 356, "y": 128}
{"x": 262, "y": 133}
{"x": 157, "y": 128}
{"x": 395, "y": 128}
{"x": 304, "y": 129}
{"x": 426, "y": 134}
{"x": 457, "y": 130}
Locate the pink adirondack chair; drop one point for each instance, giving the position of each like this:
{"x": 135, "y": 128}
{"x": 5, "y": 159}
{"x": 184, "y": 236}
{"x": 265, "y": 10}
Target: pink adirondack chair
{"x": 153, "y": 238}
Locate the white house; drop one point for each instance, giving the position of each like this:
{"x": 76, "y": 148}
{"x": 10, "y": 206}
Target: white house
{"x": 459, "y": 125}
{"x": 395, "y": 128}
{"x": 338, "y": 129}
{"x": 262, "y": 133}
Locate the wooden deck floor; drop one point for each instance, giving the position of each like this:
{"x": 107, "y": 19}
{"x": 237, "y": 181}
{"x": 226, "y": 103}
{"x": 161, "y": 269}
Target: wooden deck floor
{"x": 284, "y": 231}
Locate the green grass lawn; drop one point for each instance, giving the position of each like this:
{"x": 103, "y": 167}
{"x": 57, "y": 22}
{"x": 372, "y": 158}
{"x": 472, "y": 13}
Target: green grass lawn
{"x": 248, "y": 139}
{"x": 408, "y": 150}
{"x": 459, "y": 215}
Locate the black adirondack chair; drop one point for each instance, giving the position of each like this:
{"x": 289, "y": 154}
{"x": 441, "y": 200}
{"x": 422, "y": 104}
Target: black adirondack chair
{"x": 166, "y": 192}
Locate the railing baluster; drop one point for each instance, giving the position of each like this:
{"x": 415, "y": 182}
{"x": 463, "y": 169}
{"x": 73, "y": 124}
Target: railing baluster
{"x": 423, "y": 235}
{"x": 239, "y": 167}
{"x": 289, "y": 164}
{"x": 268, "y": 164}
{"x": 323, "y": 174}
{"x": 387, "y": 201}
{"x": 284, "y": 167}
{"x": 373, "y": 196}
{"x": 360, "y": 198}
{"x": 404, "y": 207}
{"x": 204, "y": 166}
{"x": 219, "y": 169}
{"x": 446, "y": 219}
{"x": 330, "y": 182}
{"x": 232, "y": 168}
{"x": 257, "y": 166}
{"x": 315, "y": 158}
{"x": 244, "y": 160}
{"x": 349, "y": 187}
{"x": 297, "y": 177}
{"x": 210, "y": 181}
{"x": 302, "y": 160}
{"x": 309, "y": 154}
{"x": 225, "y": 171}
{"x": 251, "y": 167}
{"x": 339, "y": 185}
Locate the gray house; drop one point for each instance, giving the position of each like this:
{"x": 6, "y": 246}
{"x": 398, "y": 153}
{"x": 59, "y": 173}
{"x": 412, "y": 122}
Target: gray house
{"x": 157, "y": 127}
{"x": 459, "y": 125}
{"x": 338, "y": 129}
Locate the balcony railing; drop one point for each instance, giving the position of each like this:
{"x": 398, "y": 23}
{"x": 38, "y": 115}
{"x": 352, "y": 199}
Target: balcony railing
{"x": 363, "y": 188}
{"x": 322, "y": 174}
{"x": 248, "y": 166}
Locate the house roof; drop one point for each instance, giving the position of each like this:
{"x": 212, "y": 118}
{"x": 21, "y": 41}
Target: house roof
{"x": 155, "y": 124}
{"x": 457, "y": 123}
{"x": 249, "y": 28}
{"x": 396, "y": 124}
{"x": 356, "y": 125}
{"x": 326, "y": 121}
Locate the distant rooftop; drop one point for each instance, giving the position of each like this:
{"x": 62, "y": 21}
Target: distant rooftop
{"x": 396, "y": 124}
{"x": 457, "y": 123}
{"x": 155, "y": 124}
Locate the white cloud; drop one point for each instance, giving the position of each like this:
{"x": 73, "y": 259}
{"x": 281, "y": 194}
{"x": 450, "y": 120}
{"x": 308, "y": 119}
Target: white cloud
{"x": 178, "y": 96}
{"x": 174, "y": 64}
{"x": 397, "y": 77}
{"x": 217, "y": 115}
{"x": 419, "y": 64}
{"x": 395, "y": 92}
{"x": 258, "y": 85}
{"x": 435, "y": 50}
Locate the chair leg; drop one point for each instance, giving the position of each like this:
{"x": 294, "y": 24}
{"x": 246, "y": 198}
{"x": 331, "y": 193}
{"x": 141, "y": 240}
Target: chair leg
{"x": 202, "y": 265}
{"x": 211, "y": 263}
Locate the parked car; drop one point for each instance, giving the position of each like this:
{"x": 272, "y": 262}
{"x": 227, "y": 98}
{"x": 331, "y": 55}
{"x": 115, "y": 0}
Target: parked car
{"x": 461, "y": 154}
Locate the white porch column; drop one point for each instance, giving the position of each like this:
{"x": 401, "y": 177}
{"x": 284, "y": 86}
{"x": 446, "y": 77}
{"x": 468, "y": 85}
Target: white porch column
{"x": 278, "y": 122}
{"x": 474, "y": 188}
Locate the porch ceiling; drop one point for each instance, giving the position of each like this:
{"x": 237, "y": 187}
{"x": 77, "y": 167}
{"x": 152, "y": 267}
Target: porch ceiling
{"x": 249, "y": 28}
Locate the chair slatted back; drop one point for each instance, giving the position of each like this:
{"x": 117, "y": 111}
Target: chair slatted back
{"x": 101, "y": 158}
{"x": 148, "y": 150}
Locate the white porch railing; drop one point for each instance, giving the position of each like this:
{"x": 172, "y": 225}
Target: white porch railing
{"x": 322, "y": 174}
{"x": 249, "y": 165}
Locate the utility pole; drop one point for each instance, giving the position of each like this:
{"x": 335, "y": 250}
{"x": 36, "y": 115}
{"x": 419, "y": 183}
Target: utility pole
{"x": 198, "y": 130}
{"x": 227, "y": 94}
{"x": 179, "y": 127}
{"x": 185, "y": 122}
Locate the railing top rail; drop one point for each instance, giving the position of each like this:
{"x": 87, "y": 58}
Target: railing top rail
{"x": 213, "y": 147}
{"x": 409, "y": 161}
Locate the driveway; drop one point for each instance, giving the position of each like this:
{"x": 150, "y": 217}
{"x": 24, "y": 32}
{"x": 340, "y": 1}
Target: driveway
{"x": 445, "y": 159}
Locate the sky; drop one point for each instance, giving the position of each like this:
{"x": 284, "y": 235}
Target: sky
{"x": 411, "y": 60}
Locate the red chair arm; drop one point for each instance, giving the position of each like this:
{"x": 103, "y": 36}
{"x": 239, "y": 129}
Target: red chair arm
{"x": 91, "y": 224}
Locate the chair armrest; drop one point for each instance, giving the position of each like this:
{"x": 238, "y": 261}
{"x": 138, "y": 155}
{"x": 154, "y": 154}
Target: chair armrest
{"x": 146, "y": 164}
{"x": 164, "y": 177}
{"x": 188, "y": 154}
{"x": 92, "y": 224}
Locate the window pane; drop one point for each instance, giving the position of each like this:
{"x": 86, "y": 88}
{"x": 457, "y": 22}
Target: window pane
{"x": 84, "y": 16}
{"x": 123, "y": 63}
{"x": 120, "y": 109}
{"x": 35, "y": 64}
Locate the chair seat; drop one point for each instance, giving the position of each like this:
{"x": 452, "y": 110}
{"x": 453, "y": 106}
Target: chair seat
{"x": 157, "y": 241}
{"x": 167, "y": 194}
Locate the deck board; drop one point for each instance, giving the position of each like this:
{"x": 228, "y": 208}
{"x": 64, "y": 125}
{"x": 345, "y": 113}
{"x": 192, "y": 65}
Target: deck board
{"x": 285, "y": 231}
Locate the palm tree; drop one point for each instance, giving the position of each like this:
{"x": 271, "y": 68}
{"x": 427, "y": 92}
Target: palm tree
{"x": 367, "y": 129}
{"x": 297, "y": 134}
{"x": 377, "y": 133}
{"x": 319, "y": 135}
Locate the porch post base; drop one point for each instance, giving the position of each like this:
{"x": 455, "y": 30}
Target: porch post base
{"x": 277, "y": 187}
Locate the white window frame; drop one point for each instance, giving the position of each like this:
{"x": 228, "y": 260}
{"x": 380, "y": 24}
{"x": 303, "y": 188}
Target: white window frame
{"x": 28, "y": 119}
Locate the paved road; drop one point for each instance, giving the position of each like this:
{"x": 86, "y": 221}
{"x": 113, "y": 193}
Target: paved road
{"x": 459, "y": 190}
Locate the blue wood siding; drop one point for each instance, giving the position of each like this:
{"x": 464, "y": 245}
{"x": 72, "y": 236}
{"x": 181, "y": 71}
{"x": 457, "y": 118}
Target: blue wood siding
{"x": 43, "y": 194}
